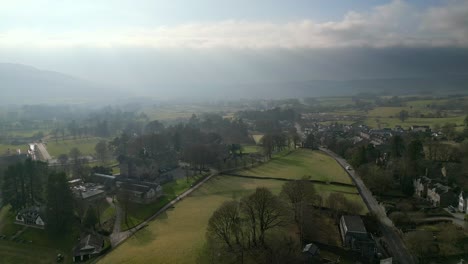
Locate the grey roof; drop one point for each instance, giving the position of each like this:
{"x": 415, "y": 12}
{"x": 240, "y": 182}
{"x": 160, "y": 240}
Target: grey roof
{"x": 90, "y": 244}
{"x": 110, "y": 177}
{"x": 90, "y": 193}
{"x": 31, "y": 214}
{"x": 354, "y": 223}
{"x": 311, "y": 249}
{"x": 440, "y": 188}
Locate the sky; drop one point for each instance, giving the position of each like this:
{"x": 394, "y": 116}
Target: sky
{"x": 160, "y": 45}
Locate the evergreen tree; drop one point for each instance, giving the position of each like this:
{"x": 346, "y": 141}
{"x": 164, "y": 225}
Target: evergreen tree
{"x": 91, "y": 218}
{"x": 59, "y": 203}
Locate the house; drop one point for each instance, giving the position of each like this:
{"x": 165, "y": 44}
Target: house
{"x": 421, "y": 185}
{"x": 108, "y": 181}
{"x": 354, "y": 236}
{"x": 311, "y": 252}
{"x": 88, "y": 247}
{"x": 74, "y": 182}
{"x": 88, "y": 192}
{"x": 420, "y": 128}
{"x": 140, "y": 192}
{"x": 463, "y": 203}
{"x": 32, "y": 217}
{"x": 440, "y": 195}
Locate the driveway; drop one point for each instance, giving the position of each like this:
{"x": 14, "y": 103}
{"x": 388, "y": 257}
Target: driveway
{"x": 394, "y": 241}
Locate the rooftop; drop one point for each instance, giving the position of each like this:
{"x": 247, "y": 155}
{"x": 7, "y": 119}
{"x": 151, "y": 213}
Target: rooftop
{"x": 354, "y": 223}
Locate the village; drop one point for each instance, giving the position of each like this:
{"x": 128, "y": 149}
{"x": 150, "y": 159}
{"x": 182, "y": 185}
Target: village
{"x": 398, "y": 187}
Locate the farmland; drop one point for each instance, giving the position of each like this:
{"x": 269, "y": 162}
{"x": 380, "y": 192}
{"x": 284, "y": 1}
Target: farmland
{"x": 86, "y": 146}
{"x": 301, "y": 163}
{"x": 184, "y": 226}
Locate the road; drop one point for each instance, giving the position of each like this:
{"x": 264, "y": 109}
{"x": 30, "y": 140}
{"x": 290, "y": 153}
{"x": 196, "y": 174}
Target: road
{"x": 394, "y": 242}
{"x": 44, "y": 154}
{"x": 118, "y": 237}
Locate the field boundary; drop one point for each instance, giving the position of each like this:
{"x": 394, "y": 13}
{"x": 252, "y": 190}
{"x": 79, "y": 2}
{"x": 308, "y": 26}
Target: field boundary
{"x": 285, "y": 179}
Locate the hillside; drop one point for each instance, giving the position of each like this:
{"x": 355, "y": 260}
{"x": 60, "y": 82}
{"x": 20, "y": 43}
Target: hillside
{"x": 26, "y": 84}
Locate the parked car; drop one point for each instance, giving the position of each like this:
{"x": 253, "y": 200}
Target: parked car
{"x": 348, "y": 168}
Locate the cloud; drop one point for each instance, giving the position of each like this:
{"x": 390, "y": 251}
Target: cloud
{"x": 397, "y": 24}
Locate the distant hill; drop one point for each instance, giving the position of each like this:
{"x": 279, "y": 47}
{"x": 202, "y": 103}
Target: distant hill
{"x": 20, "y": 84}
{"x": 25, "y": 84}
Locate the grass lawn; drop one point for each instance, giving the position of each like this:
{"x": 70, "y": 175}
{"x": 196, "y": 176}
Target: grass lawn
{"x": 43, "y": 247}
{"x": 12, "y": 253}
{"x": 251, "y": 149}
{"x": 7, "y": 227}
{"x": 108, "y": 213}
{"x": 86, "y": 146}
{"x": 4, "y": 148}
{"x": 140, "y": 212}
{"x": 300, "y": 163}
{"x": 178, "y": 235}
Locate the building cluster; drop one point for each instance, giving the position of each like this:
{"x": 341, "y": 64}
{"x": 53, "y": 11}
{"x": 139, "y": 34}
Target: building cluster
{"x": 436, "y": 193}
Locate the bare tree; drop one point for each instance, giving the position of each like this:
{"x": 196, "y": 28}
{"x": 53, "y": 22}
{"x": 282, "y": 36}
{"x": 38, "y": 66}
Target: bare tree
{"x": 299, "y": 194}
{"x": 265, "y": 210}
{"x": 224, "y": 224}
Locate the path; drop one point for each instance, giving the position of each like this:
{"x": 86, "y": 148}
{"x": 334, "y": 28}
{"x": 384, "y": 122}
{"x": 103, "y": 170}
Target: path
{"x": 120, "y": 237}
{"x": 395, "y": 243}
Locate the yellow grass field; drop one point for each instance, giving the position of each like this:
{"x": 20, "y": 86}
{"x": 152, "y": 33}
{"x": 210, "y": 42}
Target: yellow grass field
{"x": 178, "y": 235}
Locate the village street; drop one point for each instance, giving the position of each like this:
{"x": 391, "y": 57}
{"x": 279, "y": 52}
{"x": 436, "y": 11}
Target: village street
{"x": 393, "y": 240}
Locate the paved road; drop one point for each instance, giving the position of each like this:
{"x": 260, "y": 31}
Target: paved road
{"x": 44, "y": 154}
{"x": 119, "y": 237}
{"x": 395, "y": 244}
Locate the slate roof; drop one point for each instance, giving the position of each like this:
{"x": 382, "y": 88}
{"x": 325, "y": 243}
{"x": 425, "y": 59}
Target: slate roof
{"x": 354, "y": 223}
{"x": 90, "y": 244}
{"x": 311, "y": 249}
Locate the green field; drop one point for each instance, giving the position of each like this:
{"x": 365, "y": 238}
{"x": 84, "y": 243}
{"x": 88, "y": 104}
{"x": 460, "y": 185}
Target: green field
{"x": 43, "y": 248}
{"x": 13, "y": 253}
{"x": 300, "y": 163}
{"x": 392, "y": 122}
{"x": 178, "y": 235}
{"x": 4, "y": 148}
{"x": 86, "y": 146}
{"x": 246, "y": 149}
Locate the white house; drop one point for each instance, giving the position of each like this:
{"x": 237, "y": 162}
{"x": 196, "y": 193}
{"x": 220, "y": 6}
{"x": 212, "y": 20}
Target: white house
{"x": 30, "y": 217}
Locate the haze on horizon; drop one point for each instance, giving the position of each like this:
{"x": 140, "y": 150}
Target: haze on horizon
{"x": 181, "y": 48}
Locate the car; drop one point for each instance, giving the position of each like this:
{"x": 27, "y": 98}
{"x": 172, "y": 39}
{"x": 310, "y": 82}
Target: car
{"x": 348, "y": 168}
